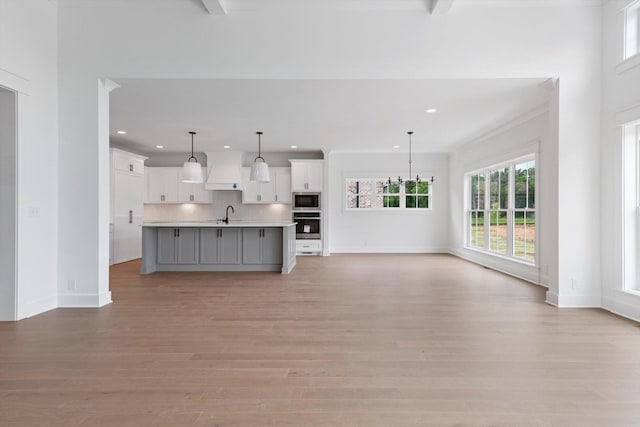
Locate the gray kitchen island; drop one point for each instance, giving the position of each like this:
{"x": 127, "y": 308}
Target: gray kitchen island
{"x": 218, "y": 246}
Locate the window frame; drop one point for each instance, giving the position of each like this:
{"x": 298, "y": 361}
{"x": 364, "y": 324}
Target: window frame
{"x": 402, "y": 194}
{"x": 510, "y": 210}
{"x": 635, "y": 7}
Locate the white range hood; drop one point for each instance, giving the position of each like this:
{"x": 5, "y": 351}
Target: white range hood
{"x": 224, "y": 170}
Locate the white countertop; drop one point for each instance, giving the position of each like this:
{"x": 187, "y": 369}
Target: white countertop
{"x": 214, "y": 223}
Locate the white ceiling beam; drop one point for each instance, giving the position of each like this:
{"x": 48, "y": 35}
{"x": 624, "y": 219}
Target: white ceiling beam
{"x": 214, "y": 7}
{"x": 440, "y": 7}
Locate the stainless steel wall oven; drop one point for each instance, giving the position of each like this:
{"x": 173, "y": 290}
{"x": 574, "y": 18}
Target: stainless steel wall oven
{"x": 308, "y": 225}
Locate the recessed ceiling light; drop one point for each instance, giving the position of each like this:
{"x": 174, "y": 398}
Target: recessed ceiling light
{"x": 227, "y": 146}
{"x": 294, "y": 146}
{"x": 431, "y": 110}
{"x": 396, "y": 146}
{"x": 122, "y": 132}
{"x": 159, "y": 146}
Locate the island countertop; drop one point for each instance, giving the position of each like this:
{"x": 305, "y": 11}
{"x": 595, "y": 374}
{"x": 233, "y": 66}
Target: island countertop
{"x": 214, "y": 223}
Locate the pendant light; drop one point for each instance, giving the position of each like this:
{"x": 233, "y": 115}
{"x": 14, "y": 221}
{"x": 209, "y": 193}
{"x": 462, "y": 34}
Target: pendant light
{"x": 417, "y": 180}
{"x": 192, "y": 171}
{"x": 260, "y": 170}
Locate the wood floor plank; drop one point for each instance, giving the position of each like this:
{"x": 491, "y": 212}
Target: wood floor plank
{"x": 346, "y": 340}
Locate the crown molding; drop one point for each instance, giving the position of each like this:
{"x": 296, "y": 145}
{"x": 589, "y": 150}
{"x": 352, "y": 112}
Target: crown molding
{"x": 525, "y": 3}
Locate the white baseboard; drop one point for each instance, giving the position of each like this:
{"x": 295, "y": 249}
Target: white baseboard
{"x": 516, "y": 269}
{"x": 33, "y": 308}
{"x": 622, "y": 308}
{"x": 387, "y": 250}
{"x": 573, "y": 301}
{"x": 88, "y": 301}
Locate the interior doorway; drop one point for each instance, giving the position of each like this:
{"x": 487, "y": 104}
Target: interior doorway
{"x": 8, "y": 195}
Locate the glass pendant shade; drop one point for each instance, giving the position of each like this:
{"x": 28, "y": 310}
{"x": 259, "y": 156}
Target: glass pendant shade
{"x": 259, "y": 169}
{"x": 192, "y": 171}
{"x": 260, "y": 172}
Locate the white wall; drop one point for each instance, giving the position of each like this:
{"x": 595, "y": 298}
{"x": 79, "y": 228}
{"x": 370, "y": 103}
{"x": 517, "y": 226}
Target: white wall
{"x": 621, "y": 104}
{"x": 177, "y": 40}
{"x": 520, "y": 137}
{"x": 28, "y": 64}
{"x": 376, "y": 231}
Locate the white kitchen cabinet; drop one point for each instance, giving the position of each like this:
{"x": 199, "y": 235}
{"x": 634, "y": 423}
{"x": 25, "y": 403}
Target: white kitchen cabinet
{"x": 127, "y": 162}
{"x": 127, "y": 197}
{"x": 283, "y": 185}
{"x": 306, "y": 175}
{"x": 192, "y": 192}
{"x": 308, "y": 247}
{"x": 162, "y": 185}
{"x": 278, "y": 190}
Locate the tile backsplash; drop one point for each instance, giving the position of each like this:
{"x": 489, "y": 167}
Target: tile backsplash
{"x": 216, "y": 210}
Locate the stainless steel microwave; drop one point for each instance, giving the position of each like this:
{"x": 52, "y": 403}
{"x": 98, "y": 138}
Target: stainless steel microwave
{"x": 305, "y": 201}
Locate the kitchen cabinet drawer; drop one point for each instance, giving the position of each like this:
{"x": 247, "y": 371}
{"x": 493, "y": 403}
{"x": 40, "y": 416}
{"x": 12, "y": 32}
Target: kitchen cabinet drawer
{"x": 308, "y": 246}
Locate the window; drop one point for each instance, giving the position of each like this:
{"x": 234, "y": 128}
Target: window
{"x": 378, "y": 194}
{"x": 501, "y": 209}
{"x": 416, "y": 194}
{"x": 632, "y": 30}
{"x": 498, "y": 209}
{"x": 476, "y": 211}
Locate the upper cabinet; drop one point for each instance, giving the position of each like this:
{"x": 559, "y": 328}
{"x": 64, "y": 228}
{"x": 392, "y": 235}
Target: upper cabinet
{"x": 164, "y": 185}
{"x": 123, "y": 161}
{"x": 191, "y": 192}
{"x": 306, "y": 175}
{"x": 278, "y": 190}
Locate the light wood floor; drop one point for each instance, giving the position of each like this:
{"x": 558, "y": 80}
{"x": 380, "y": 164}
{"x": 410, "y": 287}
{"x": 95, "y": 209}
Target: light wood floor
{"x": 346, "y": 340}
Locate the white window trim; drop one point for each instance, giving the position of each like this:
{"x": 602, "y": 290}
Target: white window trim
{"x": 402, "y": 195}
{"x": 510, "y": 209}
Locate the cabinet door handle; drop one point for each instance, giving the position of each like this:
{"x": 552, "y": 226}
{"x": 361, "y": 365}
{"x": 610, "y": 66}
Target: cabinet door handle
{"x": 130, "y": 168}
{"x": 130, "y": 217}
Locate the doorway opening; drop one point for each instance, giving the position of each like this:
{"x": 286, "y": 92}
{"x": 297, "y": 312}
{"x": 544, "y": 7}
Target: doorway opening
{"x": 8, "y": 195}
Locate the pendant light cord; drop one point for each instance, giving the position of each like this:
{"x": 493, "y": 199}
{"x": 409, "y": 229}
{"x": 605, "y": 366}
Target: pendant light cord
{"x": 410, "y": 133}
{"x": 259, "y": 148}
{"x": 192, "y": 156}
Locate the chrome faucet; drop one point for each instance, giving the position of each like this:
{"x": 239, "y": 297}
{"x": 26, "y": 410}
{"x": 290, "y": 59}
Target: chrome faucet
{"x": 226, "y": 217}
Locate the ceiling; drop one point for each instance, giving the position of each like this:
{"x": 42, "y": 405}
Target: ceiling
{"x": 340, "y": 115}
